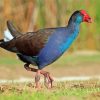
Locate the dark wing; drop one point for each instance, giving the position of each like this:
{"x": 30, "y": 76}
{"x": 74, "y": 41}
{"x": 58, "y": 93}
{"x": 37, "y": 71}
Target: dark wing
{"x": 13, "y": 30}
{"x": 31, "y": 43}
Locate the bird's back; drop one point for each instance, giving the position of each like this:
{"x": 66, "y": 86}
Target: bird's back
{"x": 30, "y": 43}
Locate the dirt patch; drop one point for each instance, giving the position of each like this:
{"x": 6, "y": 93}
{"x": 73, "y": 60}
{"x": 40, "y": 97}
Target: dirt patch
{"x": 21, "y": 87}
{"x": 82, "y": 69}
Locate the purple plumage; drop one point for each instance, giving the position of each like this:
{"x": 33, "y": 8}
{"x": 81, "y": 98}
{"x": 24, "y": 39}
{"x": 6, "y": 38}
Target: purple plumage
{"x": 44, "y": 46}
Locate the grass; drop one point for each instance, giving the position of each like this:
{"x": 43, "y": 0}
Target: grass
{"x": 65, "y": 59}
{"x": 9, "y": 61}
{"x": 45, "y": 95}
{"x": 77, "y": 59}
{"x": 72, "y": 90}
{"x": 69, "y": 90}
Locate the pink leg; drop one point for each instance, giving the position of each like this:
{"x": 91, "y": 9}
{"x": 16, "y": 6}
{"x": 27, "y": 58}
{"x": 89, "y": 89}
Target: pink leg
{"x": 47, "y": 77}
{"x": 37, "y": 79}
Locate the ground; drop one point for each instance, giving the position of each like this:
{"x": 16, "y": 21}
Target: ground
{"x": 68, "y": 65}
{"x": 69, "y": 90}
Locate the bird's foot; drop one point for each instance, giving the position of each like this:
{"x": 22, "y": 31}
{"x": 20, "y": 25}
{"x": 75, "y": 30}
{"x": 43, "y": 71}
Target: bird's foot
{"x": 47, "y": 79}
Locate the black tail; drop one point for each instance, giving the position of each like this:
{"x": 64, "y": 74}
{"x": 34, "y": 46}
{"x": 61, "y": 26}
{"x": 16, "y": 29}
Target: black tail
{"x": 12, "y": 29}
{"x": 2, "y": 44}
{"x": 7, "y": 46}
{"x": 1, "y": 41}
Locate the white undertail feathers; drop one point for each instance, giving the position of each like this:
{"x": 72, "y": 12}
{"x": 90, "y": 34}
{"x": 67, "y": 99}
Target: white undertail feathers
{"x": 7, "y": 35}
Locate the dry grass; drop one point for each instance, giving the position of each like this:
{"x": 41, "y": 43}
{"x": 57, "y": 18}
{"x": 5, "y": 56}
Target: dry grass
{"x": 10, "y": 68}
{"x": 69, "y": 90}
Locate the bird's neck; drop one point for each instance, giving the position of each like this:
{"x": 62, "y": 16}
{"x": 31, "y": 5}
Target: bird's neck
{"x": 73, "y": 26}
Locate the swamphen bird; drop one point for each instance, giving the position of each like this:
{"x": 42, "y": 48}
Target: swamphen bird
{"x": 44, "y": 46}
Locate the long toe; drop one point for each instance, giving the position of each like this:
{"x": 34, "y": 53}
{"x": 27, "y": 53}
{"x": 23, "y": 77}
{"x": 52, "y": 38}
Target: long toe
{"x": 48, "y": 80}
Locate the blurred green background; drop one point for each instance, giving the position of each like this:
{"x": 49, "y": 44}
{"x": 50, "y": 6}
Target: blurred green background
{"x": 82, "y": 59}
{"x": 31, "y": 15}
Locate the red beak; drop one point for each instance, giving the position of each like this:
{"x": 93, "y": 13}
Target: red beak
{"x": 87, "y": 19}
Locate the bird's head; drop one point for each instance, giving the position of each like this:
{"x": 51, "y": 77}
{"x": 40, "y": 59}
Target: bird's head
{"x": 80, "y": 16}
{"x": 85, "y": 16}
